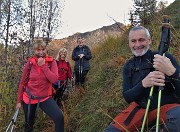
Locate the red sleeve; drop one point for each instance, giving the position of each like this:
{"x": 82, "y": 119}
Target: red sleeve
{"x": 23, "y": 82}
{"x": 52, "y": 72}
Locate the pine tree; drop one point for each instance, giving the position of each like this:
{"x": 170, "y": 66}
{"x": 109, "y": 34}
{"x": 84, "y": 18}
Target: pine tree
{"x": 144, "y": 10}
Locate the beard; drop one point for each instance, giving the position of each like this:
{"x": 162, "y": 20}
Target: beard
{"x": 144, "y": 50}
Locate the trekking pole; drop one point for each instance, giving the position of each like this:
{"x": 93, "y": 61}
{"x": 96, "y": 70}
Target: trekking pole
{"x": 82, "y": 69}
{"x": 13, "y": 121}
{"x": 79, "y": 70}
{"x": 158, "y": 108}
{"x": 163, "y": 47}
{"x": 147, "y": 108}
{"x": 73, "y": 82}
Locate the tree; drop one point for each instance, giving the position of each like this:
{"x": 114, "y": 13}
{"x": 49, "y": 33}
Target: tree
{"x": 7, "y": 29}
{"x": 143, "y": 11}
{"x": 23, "y": 20}
{"x": 44, "y": 18}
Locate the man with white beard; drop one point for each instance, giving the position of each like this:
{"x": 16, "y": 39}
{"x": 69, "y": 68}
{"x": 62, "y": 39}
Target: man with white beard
{"x": 140, "y": 73}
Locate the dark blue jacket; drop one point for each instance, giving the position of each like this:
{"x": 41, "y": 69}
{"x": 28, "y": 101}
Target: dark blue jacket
{"x": 84, "y": 62}
{"x": 136, "y": 69}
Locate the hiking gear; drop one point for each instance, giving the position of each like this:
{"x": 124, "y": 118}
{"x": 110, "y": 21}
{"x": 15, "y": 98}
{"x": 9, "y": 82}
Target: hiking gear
{"x": 147, "y": 108}
{"x": 132, "y": 117}
{"x": 163, "y": 47}
{"x": 39, "y": 98}
{"x": 87, "y": 56}
{"x": 64, "y": 69}
{"x": 40, "y": 79}
{"x": 80, "y": 79}
{"x": 13, "y": 121}
{"x": 80, "y": 69}
{"x": 82, "y": 65}
{"x": 36, "y": 83}
{"x": 138, "y": 68}
{"x": 65, "y": 73}
{"x": 60, "y": 88}
{"x": 50, "y": 108}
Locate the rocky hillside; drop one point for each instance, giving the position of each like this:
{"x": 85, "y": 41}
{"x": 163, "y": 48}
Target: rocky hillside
{"x": 91, "y": 38}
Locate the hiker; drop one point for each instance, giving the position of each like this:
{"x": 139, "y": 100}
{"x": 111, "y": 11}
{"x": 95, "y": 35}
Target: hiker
{"x": 64, "y": 71}
{"x": 81, "y": 55}
{"x": 140, "y": 73}
{"x": 35, "y": 88}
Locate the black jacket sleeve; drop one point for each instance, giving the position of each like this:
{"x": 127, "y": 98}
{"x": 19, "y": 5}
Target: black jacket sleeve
{"x": 75, "y": 56}
{"x": 87, "y": 54}
{"x": 175, "y": 78}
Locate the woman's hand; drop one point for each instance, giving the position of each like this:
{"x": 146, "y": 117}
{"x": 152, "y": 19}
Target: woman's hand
{"x": 18, "y": 105}
{"x": 41, "y": 61}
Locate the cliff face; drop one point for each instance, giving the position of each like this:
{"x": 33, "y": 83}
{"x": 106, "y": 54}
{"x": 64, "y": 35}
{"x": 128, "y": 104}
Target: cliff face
{"x": 92, "y": 38}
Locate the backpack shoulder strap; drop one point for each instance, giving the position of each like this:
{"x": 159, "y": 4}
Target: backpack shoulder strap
{"x": 30, "y": 66}
{"x": 68, "y": 64}
{"x": 28, "y": 73}
{"x": 57, "y": 62}
{"x": 49, "y": 64}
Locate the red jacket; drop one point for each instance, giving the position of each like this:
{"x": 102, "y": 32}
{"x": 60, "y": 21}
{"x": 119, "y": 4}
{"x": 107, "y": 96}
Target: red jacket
{"x": 40, "y": 78}
{"x": 64, "y": 70}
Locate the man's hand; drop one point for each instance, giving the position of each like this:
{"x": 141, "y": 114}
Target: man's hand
{"x": 41, "y": 61}
{"x": 155, "y": 78}
{"x": 163, "y": 64}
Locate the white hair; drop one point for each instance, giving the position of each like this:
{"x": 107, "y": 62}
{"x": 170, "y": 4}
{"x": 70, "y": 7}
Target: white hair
{"x": 61, "y": 49}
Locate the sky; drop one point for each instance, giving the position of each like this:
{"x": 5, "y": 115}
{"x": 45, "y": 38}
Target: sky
{"x": 88, "y": 15}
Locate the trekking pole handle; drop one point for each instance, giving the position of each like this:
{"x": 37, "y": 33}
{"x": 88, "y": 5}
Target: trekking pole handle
{"x": 165, "y": 36}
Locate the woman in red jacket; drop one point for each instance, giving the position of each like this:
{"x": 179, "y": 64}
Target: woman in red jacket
{"x": 35, "y": 88}
{"x": 64, "y": 71}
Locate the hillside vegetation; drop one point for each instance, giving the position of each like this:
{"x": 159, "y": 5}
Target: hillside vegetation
{"x": 103, "y": 87}
{"x": 102, "y": 100}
